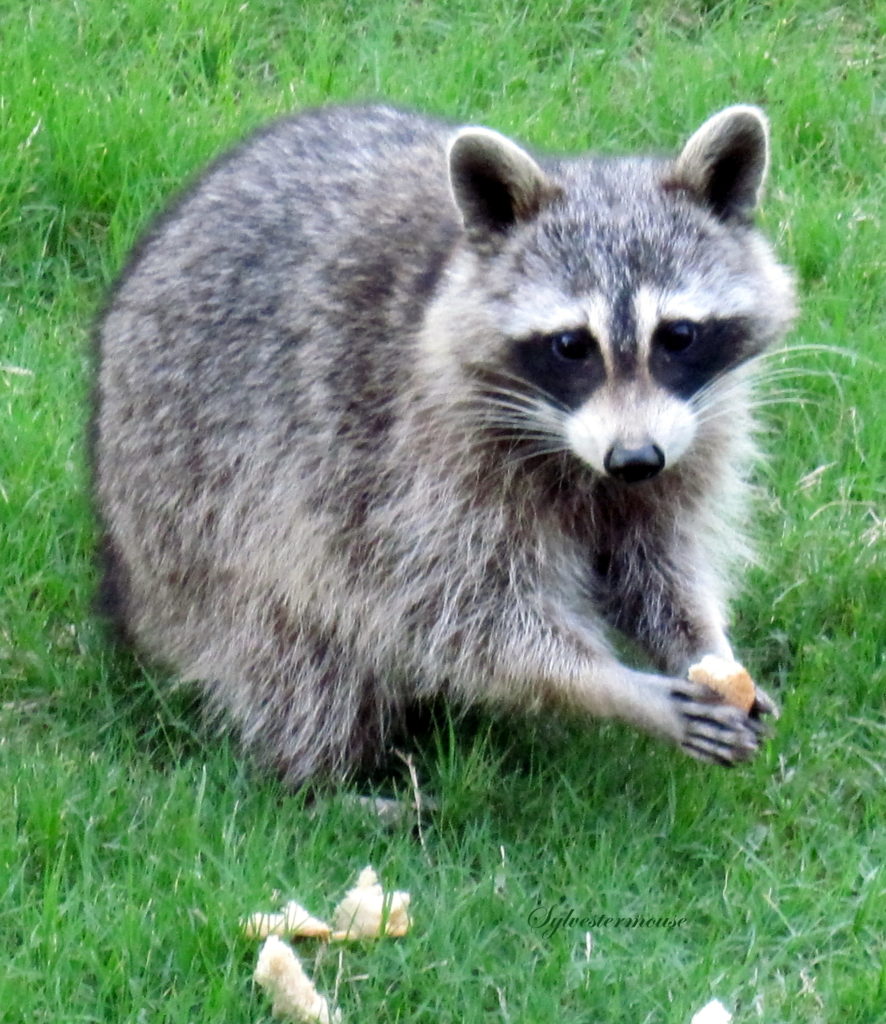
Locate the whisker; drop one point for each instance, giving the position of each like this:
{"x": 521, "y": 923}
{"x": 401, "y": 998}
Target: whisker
{"x": 511, "y": 385}
{"x": 778, "y": 373}
{"x": 817, "y": 348}
{"x": 712, "y": 413}
{"x": 517, "y": 410}
{"x": 764, "y": 377}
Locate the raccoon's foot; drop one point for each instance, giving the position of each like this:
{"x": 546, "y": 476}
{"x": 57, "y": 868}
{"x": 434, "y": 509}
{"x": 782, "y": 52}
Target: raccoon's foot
{"x": 717, "y": 732}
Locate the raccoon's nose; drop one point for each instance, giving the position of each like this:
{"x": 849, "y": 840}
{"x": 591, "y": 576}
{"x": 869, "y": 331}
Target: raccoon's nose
{"x": 633, "y": 464}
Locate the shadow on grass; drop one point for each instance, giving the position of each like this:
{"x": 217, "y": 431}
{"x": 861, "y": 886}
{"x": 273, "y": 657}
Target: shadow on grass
{"x": 137, "y": 708}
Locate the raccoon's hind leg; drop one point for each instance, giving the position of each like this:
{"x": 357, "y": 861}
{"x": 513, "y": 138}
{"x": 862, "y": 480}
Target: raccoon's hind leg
{"x": 294, "y": 691}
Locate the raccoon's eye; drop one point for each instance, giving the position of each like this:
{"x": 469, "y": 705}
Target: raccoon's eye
{"x": 676, "y": 335}
{"x": 573, "y": 345}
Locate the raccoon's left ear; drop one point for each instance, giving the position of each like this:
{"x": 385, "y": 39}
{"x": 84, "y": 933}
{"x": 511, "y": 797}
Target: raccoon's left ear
{"x": 725, "y": 162}
{"x": 496, "y": 184}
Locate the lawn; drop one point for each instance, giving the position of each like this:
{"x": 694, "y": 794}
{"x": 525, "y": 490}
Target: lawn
{"x": 132, "y": 839}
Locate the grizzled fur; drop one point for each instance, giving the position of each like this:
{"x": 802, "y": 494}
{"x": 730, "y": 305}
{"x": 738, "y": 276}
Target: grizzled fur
{"x": 388, "y": 410}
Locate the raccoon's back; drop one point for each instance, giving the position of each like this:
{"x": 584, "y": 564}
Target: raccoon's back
{"x": 339, "y": 212}
{"x": 322, "y": 236}
{"x": 253, "y": 340}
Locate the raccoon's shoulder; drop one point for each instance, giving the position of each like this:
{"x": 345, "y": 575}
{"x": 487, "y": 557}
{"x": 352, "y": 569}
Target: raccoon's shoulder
{"x": 354, "y": 130}
{"x": 312, "y": 155}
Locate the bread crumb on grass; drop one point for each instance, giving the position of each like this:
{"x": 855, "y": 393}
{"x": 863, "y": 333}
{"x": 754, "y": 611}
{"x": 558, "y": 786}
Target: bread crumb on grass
{"x": 280, "y": 973}
{"x": 292, "y": 921}
{"x": 365, "y": 912}
{"x": 368, "y": 912}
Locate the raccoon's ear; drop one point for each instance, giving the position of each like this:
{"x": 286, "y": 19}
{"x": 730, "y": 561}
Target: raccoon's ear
{"x": 494, "y": 182}
{"x": 725, "y": 162}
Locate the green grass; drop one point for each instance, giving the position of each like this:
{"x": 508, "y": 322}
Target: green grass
{"x": 130, "y": 841}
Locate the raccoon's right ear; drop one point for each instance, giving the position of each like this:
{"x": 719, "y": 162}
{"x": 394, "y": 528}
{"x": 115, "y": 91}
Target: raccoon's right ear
{"x": 725, "y": 162}
{"x": 496, "y": 184}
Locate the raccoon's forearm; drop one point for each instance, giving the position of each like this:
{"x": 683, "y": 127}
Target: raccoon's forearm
{"x": 588, "y": 679}
{"x": 543, "y": 664}
{"x": 673, "y": 612}
{"x": 675, "y": 634}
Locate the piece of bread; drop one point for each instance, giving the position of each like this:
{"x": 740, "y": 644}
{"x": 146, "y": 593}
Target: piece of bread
{"x": 714, "y": 1013}
{"x": 367, "y": 911}
{"x": 280, "y": 973}
{"x": 728, "y": 678}
{"x": 293, "y": 921}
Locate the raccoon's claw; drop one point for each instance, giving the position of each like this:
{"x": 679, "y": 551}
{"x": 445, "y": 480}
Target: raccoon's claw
{"x": 715, "y": 732}
{"x": 706, "y": 753}
{"x": 764, "y": 705}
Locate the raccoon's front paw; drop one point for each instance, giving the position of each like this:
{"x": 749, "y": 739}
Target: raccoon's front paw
{"x": 716, "y": 732}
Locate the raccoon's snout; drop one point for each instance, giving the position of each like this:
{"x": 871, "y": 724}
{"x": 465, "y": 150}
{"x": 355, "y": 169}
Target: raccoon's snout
{"x": 633, "y": 464}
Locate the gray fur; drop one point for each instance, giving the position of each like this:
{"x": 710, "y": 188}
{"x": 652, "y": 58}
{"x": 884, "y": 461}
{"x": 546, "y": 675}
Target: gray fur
{"x": 328, "y": 489}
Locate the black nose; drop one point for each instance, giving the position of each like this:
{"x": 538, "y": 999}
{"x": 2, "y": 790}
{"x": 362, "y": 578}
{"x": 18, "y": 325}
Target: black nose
{"x": 633, "y": 464}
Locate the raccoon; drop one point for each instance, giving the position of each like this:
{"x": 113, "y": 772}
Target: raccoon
{"x": 389, "y": 409}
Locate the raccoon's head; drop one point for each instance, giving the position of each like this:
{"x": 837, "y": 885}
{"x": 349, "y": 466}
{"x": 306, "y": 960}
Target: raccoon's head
{"x": 611, "y": 307}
